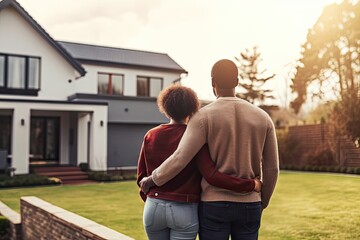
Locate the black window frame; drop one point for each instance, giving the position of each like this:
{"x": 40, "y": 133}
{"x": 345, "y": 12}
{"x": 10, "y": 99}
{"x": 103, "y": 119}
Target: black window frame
{"x": 110, "y": 80}
{"x": 149, "y": 85}
{"x": 20, "y": 91}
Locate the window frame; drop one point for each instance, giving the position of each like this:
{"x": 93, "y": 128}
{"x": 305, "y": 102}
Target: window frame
{"x": 109, "y": 83}
{"x": 148, "y": 82}
{"x": 20, "y": 91}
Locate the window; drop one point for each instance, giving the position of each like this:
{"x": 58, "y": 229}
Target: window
{"x": 19, "y": 74}
{"x": 149, "y": 86}
{"x": 109, "y": 83}
{"x": 5, "y": 133}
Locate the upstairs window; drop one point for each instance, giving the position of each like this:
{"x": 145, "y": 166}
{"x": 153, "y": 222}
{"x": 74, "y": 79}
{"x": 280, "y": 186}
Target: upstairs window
{"x": 149, "y": 86}
{"x": 111, "y": 84}
{"x": 19, "y": 74}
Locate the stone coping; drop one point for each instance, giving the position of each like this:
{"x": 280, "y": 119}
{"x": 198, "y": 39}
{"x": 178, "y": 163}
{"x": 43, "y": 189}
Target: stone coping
{"x": 10, "y": 214}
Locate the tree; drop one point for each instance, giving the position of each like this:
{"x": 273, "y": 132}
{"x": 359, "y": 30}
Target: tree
{"x": 252, "y": 80}
{"x": 331, "y": 54}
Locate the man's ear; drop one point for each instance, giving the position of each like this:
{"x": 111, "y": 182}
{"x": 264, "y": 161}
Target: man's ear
{"x": 212, "y": 82}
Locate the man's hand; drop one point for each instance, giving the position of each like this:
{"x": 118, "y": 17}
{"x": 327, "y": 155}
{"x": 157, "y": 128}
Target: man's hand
{"x": 146, "y": 183}
{"x": 258, "y": 184}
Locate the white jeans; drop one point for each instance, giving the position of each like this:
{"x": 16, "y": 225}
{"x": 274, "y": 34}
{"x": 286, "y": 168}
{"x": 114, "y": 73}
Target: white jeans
{"x": 164, "y": 220}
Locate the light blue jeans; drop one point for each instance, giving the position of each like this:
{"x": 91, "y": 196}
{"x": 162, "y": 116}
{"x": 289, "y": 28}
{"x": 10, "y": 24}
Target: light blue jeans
{"x": 164, "y": 220}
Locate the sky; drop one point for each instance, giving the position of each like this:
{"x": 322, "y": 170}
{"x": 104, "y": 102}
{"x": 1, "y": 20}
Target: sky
{"x": 195, "y": 33}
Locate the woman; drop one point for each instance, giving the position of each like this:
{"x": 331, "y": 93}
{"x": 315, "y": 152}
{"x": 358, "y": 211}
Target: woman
{"x": 170, "y": 211}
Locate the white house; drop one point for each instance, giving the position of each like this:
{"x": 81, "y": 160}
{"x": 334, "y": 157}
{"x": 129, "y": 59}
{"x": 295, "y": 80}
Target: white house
{"x": 67, "y": 103}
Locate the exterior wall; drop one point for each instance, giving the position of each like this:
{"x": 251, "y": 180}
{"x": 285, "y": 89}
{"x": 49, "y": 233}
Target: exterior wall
{"x": 42, "y": 220}
{"x": 24, "y": 40}
{"x": 88, "y": 84}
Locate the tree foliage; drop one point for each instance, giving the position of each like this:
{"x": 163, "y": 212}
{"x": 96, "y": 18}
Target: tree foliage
{"x": 332, "y": 53}
{"x": 251, "y": 79}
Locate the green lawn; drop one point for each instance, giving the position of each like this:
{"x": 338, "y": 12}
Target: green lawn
{"x": 304, "y": 206}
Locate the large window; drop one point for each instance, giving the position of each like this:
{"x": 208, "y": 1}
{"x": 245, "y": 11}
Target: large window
{"x": 109, "y": 83}
{"x": 19, "y": 74}
{"x": 149, "y": 86}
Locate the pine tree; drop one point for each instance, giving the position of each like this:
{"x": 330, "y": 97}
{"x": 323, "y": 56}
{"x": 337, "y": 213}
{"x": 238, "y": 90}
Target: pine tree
{"x": 251, "y": 80}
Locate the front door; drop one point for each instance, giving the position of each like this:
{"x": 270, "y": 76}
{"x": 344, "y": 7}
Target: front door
{"x": 44, "y": 140}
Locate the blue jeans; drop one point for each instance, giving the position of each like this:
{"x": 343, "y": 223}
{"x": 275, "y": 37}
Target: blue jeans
{"x": 219, "y": 220}
{"x": 164, "y": 220}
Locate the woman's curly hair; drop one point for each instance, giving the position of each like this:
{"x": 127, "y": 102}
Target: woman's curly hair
{"x": 178, "y": 102}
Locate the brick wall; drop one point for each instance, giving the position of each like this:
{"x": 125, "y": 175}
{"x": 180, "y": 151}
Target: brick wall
{"x": 14, "y": 231}
{"x": 314, "y": 138}
{"x": 42, "y": 220}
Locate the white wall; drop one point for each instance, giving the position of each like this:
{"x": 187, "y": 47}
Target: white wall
{"x": 18, "y": 37}
{"x": 88, "y": 84}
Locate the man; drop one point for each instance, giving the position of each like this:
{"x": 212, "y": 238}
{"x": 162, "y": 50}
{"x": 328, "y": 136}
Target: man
{"x": 242, "y": 143}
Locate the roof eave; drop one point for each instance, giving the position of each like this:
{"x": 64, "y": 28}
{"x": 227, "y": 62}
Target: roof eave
{"x": 99, "y": 62}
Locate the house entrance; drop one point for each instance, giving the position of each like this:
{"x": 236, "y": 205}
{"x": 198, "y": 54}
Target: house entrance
{"x": 44, "y": 140}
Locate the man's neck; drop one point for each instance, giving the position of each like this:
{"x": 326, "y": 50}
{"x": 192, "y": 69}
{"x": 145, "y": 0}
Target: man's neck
{"x": 225, "y": 93}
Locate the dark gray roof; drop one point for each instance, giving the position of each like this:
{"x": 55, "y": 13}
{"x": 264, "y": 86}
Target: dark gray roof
{"x": 43, "y": 33}
{"x": 127, "y": 57}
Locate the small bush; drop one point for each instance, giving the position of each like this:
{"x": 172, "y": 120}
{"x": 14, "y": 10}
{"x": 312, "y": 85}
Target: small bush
{"x": 26, "y": 180}
{"x": 107, "y": 177}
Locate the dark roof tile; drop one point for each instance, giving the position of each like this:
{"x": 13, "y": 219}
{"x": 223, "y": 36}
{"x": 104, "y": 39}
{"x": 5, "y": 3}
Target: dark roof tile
{"x": 130, "y": 57}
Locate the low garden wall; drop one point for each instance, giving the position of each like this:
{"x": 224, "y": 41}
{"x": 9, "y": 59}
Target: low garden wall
{"x": 42, "y": 220}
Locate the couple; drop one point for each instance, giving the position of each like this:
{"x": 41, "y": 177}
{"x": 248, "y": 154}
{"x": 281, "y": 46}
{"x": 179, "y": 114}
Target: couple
{"x": 230, "y": 142}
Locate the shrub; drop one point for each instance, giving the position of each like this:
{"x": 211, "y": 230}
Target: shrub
{"x": 289, "y": 147}
{"x": 107, "y": 177}
{"x": 84, "y": 167}
{"x": 321, "y": 157}
{"x": 26, "y": 180}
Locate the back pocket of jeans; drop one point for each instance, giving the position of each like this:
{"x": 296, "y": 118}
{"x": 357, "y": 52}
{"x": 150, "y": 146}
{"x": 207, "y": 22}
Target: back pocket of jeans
{"x": 253, "y": 215}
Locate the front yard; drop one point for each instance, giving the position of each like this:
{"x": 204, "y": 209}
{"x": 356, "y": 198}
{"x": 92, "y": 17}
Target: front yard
{"x": 304, "y": 206}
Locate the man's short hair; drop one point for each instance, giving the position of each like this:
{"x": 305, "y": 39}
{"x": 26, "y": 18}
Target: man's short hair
{"x": 225, "y": 74}
{"x": 178, "y": 102}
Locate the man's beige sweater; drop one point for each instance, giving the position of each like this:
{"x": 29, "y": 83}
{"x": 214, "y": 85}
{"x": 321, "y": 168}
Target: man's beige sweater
{"x": 242, "y": 143}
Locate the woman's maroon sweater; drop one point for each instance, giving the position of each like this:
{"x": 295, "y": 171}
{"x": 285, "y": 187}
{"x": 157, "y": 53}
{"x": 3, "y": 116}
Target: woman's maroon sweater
{"x": 159, "y": 143}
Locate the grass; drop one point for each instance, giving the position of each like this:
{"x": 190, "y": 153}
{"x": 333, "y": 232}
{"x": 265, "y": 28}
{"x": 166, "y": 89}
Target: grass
{"x": 304, "y": 206}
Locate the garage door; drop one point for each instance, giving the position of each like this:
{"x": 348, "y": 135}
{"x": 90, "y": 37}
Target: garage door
{"x": 124, "y": 143}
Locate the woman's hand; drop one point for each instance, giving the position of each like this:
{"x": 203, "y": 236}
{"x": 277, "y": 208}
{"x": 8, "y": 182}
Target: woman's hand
{"x": 258, "y": 184}
{"x": 146, "y": 183}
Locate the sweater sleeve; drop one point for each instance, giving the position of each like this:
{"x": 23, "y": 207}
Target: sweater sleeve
{"x": 141, "y": 170}
{"x": 190, "y": 143}
{"x": 208, "y": 169}
{"x": 270, "y": 166}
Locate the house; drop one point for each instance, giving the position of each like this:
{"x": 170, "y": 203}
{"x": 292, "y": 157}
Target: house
{"x": 64, "y": 103}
